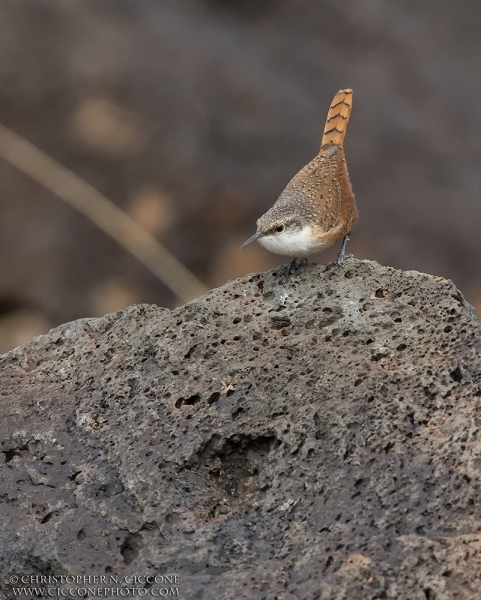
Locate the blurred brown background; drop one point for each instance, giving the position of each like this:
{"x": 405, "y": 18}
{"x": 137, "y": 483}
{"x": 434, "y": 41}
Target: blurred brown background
{"x": 192, "y": 115}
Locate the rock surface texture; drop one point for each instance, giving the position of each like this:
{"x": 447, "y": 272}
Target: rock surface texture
{"x": 311, "y": 439}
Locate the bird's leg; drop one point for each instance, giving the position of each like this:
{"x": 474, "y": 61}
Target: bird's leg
{"x": 295, "y": 264}
{"x": 340, "y": 257}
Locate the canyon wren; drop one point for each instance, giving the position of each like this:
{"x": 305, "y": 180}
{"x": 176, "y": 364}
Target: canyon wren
{"x": 317, "y": 207}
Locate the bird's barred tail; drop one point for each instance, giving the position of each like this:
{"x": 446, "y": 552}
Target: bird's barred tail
{"x": 337, "y": 119}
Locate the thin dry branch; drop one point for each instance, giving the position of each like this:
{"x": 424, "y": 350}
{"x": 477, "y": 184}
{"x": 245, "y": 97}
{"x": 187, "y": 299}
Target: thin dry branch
{"x": 100, "y": 210}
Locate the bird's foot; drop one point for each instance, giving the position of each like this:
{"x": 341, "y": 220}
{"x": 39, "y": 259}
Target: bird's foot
{"x": 295, "y": 264}
{"x": 338, "y": 263}
{"x": 292, "y": 267}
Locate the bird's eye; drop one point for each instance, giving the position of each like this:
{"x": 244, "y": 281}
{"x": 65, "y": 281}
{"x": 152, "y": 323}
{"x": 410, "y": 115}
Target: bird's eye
{"x": 280, "y": 228}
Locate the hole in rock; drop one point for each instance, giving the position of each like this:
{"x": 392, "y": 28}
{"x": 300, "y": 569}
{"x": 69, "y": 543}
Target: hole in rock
{"x": 130, "y": 548}
{"x": 213, "y": 398}
{"x": 456, "y": 375}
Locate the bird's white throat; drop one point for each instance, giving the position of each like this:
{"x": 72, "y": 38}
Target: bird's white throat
{"x": 298, "y": 243}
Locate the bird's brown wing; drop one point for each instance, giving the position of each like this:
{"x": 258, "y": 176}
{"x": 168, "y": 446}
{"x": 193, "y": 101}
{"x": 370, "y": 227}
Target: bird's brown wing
{"x": 320, "y": 193}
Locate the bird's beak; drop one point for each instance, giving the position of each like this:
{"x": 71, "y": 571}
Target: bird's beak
{"x": 256, "y": 236}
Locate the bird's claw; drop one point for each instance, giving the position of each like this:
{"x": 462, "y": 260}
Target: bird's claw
{"x": 334, "y": 265}
{"x": 338, "y": 263}
{"x": 295, "y": 264}
{"x": 292, "y": 267}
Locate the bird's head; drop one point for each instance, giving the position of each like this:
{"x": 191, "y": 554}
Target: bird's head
{"x": 268, "y": 230}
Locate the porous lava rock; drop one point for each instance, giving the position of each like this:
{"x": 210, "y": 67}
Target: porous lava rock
{"x": 316, "y": 437}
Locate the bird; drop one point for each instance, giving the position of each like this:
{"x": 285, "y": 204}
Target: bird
{"x": 317, "y": 208}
